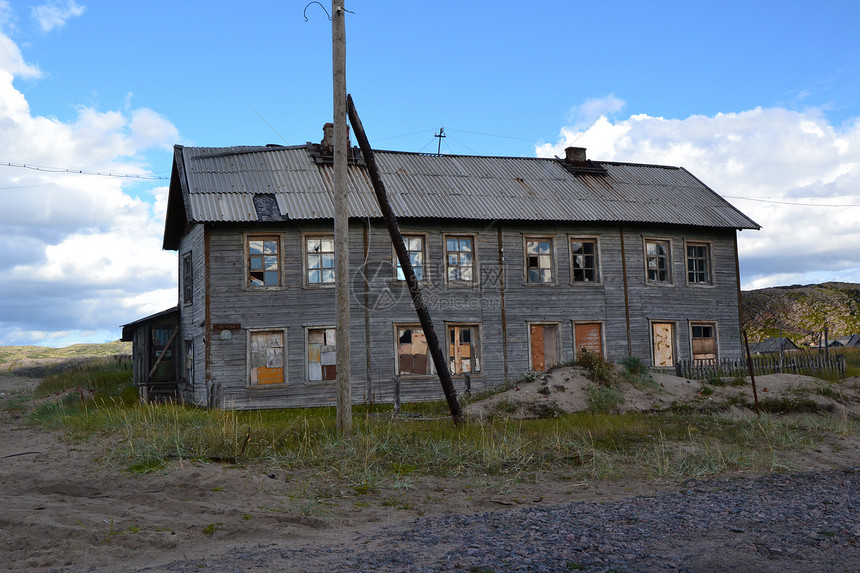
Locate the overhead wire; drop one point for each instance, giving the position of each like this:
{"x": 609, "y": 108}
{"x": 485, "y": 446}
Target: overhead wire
{"x": 46, "y": 169}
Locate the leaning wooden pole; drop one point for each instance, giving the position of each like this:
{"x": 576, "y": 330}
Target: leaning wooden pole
{"x": 436, "y": 353}
{"x": 752, "y": 371}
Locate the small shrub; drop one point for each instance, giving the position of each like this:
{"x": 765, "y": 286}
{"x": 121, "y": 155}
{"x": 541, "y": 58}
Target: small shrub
{"x": 543, "y": 390}
{"x": 706, "y": 390}
{"x": 603, "y": 399}
{"x": 504, "y": 407}
{"x": 600, "y": 368}
{"x": 544, "y": 409}
{"x": 636, "y": 372}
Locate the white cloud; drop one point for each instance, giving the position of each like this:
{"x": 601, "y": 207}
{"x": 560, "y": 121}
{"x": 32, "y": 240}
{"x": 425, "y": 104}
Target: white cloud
{"x": 782, "y": 168}
{"x": 55, "y": 14}
{"x": 79, "y": 255}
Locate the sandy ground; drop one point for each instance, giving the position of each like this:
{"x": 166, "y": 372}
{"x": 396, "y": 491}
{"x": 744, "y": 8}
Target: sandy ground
{"x": 62, "y": 509}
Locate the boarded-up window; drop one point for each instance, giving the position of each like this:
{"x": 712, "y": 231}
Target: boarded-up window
{"x": 583, "y": 260}
{"x": 543, "y": 339}
{"x": 415, "y": 249}
{"x": 658, "y": 261}
{"x": 539, "y": 255}
{"x": 463, "y": 350}
{"x": 588, "y": 335}
{"x": 413, "y": 355}
{"x": 460, "y": 258}
{"x": 263, "y": 261}
{"x": 189, "y": 362}
{"x": 187, "y": 279}
{"x": 663, "y": 338}
{"x": 266, "y": 359}
{"x": 162, "y": 356}
{"x": 704, "y": 342}
{"x": 322, "y": 356}
{"x": 319, "y": 260}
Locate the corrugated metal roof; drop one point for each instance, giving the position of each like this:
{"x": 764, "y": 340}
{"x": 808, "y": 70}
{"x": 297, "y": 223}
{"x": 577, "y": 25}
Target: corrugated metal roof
{"x": 223, "y": 181}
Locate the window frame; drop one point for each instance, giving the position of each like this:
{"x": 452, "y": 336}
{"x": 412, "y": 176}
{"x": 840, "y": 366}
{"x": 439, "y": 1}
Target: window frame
{"x": 669, "y": 258}
{"x": 249, "y": 333}
{"x": 709, "y": 261}
{"x": 424, "y": 267}
{"x": 187, "y": 278}
{"x": 475, "y": 273}
{"x": 474, "y": 345}
{"x": 552, "y": 259}
{"x": 305, "y": 266}
{"x": 279, "y": 239}
{"x": 598, "y": 277}
{"x": 307, "y": 360}
{"x": 693, "y": 324}
{"x": 600, "y": 323}
{"x": 431, "y": 367}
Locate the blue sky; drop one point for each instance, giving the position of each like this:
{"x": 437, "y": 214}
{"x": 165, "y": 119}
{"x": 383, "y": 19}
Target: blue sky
{"x": 760, "y": 100}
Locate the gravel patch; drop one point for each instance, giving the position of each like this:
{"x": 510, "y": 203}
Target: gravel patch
{"x": 781, "y": 522}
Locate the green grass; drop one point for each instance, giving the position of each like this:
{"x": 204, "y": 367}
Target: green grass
{"x": 388, "y": 451}
{"x": 13, "y": 356}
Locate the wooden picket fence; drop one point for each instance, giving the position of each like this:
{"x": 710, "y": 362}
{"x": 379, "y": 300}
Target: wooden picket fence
{"x": 810, "y": 364}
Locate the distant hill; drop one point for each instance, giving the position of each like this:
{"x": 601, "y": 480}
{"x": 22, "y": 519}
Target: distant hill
{"x": 14, "y": 358}
{"x": 801, "y": 312}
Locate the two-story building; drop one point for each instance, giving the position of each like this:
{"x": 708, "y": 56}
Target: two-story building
{"x": 523, "y": 261}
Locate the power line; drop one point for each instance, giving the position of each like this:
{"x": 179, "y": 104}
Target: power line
{"x": 81, "y": 171}
{"x": 792, "y": 202}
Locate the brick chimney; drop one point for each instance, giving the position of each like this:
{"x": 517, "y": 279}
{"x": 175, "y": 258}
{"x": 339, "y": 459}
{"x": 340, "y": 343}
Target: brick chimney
{"x": 327, "y": 143}
{"x": 574, "y": 155}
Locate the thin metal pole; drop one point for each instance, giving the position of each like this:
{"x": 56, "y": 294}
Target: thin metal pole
{"x": 341, "y": 219}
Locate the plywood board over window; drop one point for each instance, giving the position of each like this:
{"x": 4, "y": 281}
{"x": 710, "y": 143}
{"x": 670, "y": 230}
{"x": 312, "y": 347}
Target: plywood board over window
{"x": 463, "y": 349}
{"x": 413, "y": 354}
{"x": 543, "y": 342}
{"x": 588, "y": 336}
{"x": 322, "y": 355}
{"x": 663, "y": 340}
{"x": 266, "y": 358}
{"x": 704, "y": 342}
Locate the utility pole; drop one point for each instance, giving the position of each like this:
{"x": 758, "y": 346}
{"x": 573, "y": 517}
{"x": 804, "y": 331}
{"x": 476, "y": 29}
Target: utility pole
{"x": 341, "y": 218}
{"x": 439, "y": 135}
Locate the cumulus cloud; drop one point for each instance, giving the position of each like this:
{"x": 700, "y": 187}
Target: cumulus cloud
{"x": 55, "y": 14}
{"x": 793, "y": 172}
{"x": 79, "y": 254}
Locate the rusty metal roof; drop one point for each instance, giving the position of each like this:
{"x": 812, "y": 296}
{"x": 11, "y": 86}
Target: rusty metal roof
{"x": 219, "y": 184}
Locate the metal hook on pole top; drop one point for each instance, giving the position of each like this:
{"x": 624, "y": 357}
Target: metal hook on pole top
{"x": 324, "y": 10}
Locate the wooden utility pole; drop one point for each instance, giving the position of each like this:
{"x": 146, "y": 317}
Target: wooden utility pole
{"x": 341, "y": 218}
{"x": 439, "y": 359}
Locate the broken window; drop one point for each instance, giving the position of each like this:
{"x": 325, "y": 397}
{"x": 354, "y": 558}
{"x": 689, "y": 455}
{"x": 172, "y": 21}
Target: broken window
{"x": 187, "y": 279}
{"x": 583, "y": 260}
{"x": 413, "y": 354}
{"x": 539, "y": 267}
{"x": 266, "y": 358}
{"x": 657, "y": 261}
{"x": 704, "y": 343}
{"x": 415, "y": 249}
{"x": 319, "y": 259}
{"x": 322, "y": 357}
{"x": 463, "y": 349}
{"x": 698, "y": 263}
{"x": 460, "y": 258}
{"x": 189, "y": 362}
{"x": 263, "y": 261}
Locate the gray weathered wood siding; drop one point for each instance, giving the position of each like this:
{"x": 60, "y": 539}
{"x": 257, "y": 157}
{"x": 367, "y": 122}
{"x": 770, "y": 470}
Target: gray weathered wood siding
{"x": 379, "y": 303}
{"x": 192, "y": 323}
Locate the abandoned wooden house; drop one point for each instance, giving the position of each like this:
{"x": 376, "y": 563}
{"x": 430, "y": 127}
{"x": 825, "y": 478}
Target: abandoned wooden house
{"x": 524, "y": 262}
